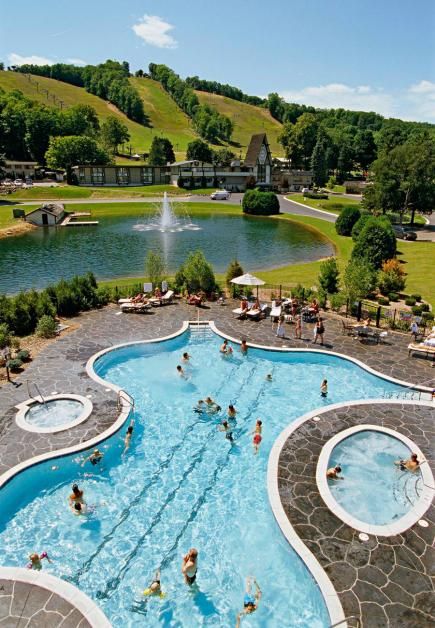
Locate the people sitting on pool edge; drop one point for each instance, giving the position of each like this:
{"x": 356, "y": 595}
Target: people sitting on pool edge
{"x": 155, "y": 587}
{"x": 332, "y": 473}
{"x": 95, "y": 457}
{"x": 412, "y": 464}
{"x": 251, "y": 600}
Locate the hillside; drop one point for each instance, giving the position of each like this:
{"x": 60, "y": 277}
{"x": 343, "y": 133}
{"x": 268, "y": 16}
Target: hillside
{"x": 247, "y": 120}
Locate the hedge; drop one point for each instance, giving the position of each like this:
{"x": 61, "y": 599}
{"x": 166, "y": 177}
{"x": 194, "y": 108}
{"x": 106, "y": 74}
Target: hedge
{"x": 258, "y": 203}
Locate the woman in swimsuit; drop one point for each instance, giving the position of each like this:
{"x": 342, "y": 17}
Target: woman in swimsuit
{"x": 190, "y": 566}
{"x": 257, "y": 435}
{"x": 250, "y": 601}
{"x": 76, "y": 495}
{"x": 128, "y": 437}
{"x": 231, "y": 411}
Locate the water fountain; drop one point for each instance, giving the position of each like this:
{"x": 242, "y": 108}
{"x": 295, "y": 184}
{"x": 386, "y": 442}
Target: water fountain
{"x": 165, "y": 220}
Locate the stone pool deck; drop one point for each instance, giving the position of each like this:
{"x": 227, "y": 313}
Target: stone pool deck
{"x": 60, "y": 367}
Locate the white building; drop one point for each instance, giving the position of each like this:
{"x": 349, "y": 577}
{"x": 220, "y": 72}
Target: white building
{"x": 48, "y": 215}
{"x": 20, "y": 169}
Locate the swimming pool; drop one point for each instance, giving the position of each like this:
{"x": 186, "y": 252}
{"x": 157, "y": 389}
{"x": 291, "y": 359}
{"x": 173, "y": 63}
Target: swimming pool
{"x": 182, "y": 484}
{"x": 374, "y": 489}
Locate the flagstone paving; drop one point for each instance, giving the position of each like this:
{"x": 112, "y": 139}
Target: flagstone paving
{"x": 61, "y": 365}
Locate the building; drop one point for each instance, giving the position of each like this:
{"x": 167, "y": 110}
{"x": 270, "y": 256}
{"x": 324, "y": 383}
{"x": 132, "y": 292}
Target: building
{"x": 20, "y": 169}
{"x": 286, "y": 179}
{"x": 49, "y": 214}
{"x": 121, "y": 175}
{"x": 257, "y": 167}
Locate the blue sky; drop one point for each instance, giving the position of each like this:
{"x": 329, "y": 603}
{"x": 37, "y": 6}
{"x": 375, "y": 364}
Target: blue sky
{"x": 373, "y": 55}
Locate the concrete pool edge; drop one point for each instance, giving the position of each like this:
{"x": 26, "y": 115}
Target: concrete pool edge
{"x": 90, "y": 611}
{"x": 24, "y": 407}
{"x": 391, "y": 529}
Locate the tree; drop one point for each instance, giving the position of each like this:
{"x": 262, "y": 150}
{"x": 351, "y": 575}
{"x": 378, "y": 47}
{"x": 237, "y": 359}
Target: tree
{"x": 391, "y": 277}
{"x": 299, "y": 139}
{"x": 234, "y": 270}
{"x": 364, "y": 148}
{"x": 328, "y": 277}
{"x": 359, "y": 279}
{"x": 161, "y": 152}
{"x": 376, "y": 242}
{"x": 198, "y": 273}
{"x": 344, "y": 162}
{"x": 358, "y": 226}
{"x": 2, "y": 166}
{"x": 223, "y": 157}
{"x": 260, "y": 203}
{"x": 41, "y": 123}
{"x": 81, "y": 120}
{"x": 155, "y": 267}
{"x": 319, "y": 164}
{"x": 199, "y": 151}
{"x": 347, "y": 219}
{"x": 113, "y": 133}
{"x": 71, "y": 150}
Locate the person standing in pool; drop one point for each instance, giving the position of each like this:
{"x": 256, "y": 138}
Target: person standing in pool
{"x": 232, "y": 412}
{"x": 324, "y": 388}
{"x": 226, "y": 349}
{"x": 244, "y": 347}
{"x": 189, "y": 567}
{"x": 95, "y": 457}
{"x": 36, "y": 560}
{"x": 186, "y": 357}
{"x": 250, "y": 601}
{"x": 257, "y": 435}
{"x": 225, "y": 427}
{"x": 332, "y": 473}
{"x": 412, "y": 464}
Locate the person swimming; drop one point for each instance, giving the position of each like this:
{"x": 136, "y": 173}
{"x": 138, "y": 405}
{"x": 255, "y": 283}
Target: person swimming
{"x": 181, "y": 372}
{"x": 231, "y": 411}
{"x": 244, "y": 347}
{"x": 95, "y": 457}
{"x": 412, "y": 464}
{"x": 200, "y": 407}
{"x": 128, "y": 437}
{"x": 189, "y": 566}
{"x": 250, "y": 601}
{"x": 186, "y": 357}
{"x": 269, "y": 377}
{"x": 332, "y": 473}
{"x": 226, "y": 349}
{"x": 227, "y": 429}
{"x": 79, "y": 508}
{"x": 155, "y": 587}
{"x": 36, "y": 560}
{"x": 76, "y": 495}
{"x": 257, "y": 435}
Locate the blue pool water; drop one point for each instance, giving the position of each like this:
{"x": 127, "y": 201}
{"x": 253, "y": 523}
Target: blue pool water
{"x": 374, "y": 490}
{"x": 182, "y": 484}
{"x": 54, "y": 413}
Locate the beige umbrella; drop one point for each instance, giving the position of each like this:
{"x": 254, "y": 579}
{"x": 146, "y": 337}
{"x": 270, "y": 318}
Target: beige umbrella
{"x": 248, "y": 280}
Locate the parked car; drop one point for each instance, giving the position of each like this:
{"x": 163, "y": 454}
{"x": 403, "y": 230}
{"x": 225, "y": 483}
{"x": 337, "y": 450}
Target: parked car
{"x": 29, "y": 181}
{"x": 404, "y": 233}
{"x": 18, "y": 182}
{"x": 220, "y": 195}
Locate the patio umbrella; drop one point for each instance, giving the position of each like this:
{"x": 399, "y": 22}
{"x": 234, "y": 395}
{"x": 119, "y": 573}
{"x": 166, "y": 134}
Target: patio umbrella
{"x": 248, "y": 280}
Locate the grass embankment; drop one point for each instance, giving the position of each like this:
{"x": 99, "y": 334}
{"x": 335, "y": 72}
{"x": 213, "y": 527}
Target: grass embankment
{"x": 334, "y": 204}
{"x": 247, "y": 120}
{"x": 76, "y": 192}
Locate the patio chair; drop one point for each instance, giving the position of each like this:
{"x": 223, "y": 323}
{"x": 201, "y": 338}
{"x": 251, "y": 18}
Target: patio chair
{"x": 257, "y": 313}
{"x": 421, "y": 348}
{"x": 138, "y": 308}
{"x": 164, "y": 300}
{"x": 275, "y": 311}
{"x": 346, "y": 328}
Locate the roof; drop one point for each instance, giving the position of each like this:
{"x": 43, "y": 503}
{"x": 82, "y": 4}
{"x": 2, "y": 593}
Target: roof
{"x": 191, "y": 162}
{"x": 55, "y": 209}
{"x": 254, "y": 148}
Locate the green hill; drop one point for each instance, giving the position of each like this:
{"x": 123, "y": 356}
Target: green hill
{"x": 247, "y": 120}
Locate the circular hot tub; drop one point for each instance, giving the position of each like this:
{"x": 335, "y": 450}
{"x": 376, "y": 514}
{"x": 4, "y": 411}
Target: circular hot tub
{"x": 53, "y": 414}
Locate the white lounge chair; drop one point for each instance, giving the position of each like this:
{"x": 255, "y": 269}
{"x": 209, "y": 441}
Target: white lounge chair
{"x": 164, "y": 300}
{"x": 275, "y": 311}
{"x": 256, "y": 313}
{"x": 139, "y": 308}
{"x": 240, "y": 312}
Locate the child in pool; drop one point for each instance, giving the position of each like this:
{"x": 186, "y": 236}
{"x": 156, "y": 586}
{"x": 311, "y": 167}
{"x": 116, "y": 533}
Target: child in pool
{"x": 36, "y": 560}
{"x": 250, "y": 601}
{"x": 324, "y": 388}
{"x": 155, "y": 588}
{"x": 257, "y": 435}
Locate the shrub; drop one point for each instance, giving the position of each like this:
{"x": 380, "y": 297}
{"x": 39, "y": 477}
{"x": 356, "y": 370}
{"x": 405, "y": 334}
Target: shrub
{"x": 417, "y": 297}
{"x": 393, "y": 296}
{"x": 23, "y": 355}
{"x": 428, "y": 316}
{"x": 322, "y": 296}
{"x": 409, "y": 301}
{"x": 104, "y": 295}
{"x": 260, "y": 203}
{"x": 301, "y": 293}
{"x": 328, "y": 276}
{"x": 46, "y": 327}
{"x": 348, "y": 217}
{"x": 5, "y": 336}
{"x": 180, "y": 182}
{"x": 424, "y": 307}
{"x": 198, "y": 273}
{"x": 234, "y": 270}
{"x": 14, "y": 365}
{"x": 392, "y": 277}
{"x": 358, "y": 226}
{"x": 316, "y": 195}
{"x": 383, "y": 301}
{"x": 155, "y": 267}
{"x": 376, "y": 242}
{"x": 416, "y": 310}
{"x": 337, "y": 301}
{"x": 359, "y": 279}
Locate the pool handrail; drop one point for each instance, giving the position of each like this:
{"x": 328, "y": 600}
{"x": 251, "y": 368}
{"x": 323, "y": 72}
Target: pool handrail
{"x": 124, "y": 396}
{"x": 346, "y": 619}
{"x": 28, "y": 383}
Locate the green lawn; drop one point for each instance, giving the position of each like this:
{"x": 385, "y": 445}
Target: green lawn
{"x": 334, "y": 204}
{"x": 418, "y": 262}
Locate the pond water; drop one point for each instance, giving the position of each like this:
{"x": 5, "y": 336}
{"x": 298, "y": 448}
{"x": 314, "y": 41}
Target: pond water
{"x": 115, "y": 249}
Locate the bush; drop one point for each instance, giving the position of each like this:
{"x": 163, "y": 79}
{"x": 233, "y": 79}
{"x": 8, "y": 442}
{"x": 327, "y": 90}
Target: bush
{"x": 23, "y": 355}
{"x": 14, "y": 365}
{"x": 5, "y": 336}
{"x": 198, "y": 273}
{"x": 428, "y": 316}
{"x": 417, "y": 297}
{"x": 383, "y": 301}
{"x": 409, "y": 301}
{"x": 46, "y": 327}
{"x": 322, "y": 296}
{"x": 316, "y": 195}
{"x": 416, "y": 310}
{"x": 425, "y": 307}
{"x": 393, "y": 296}
{"x": 328, "y": 276}
{"x": 337, "y": 301}
{"x": 104, "y": 295}
{"x": 301, "y": 293}
{"x": 260, "y": 203}
{"x": 348, "y": 217}
{"x": 392, "y": 277}
{"x": 234, "y": 270}
{"x": 376, "y": 242}
{"x": 358, "y": 226}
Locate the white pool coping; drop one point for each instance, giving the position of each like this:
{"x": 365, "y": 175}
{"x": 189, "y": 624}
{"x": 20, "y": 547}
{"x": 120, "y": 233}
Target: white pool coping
{"x": 87, "y": 607}
{"x": 24, "y": 407}
{"x": 396, "y": 527}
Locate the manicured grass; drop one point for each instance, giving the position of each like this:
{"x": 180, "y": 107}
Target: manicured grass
{"x": 418, "y": 262}
{"x": 247, "y": 120}
{"x": 334, "y": 204}
{"x": 74, "y": 191}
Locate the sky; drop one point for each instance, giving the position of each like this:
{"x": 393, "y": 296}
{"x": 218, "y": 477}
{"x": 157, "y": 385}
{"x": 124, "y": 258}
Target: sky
{"x": 370, "y": 55}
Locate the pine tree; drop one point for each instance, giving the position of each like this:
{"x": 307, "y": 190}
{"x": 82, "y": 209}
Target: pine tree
{"x": 319, "y": 163}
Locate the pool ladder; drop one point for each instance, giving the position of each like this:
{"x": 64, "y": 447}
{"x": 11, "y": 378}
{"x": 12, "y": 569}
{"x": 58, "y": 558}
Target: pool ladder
{"x": 124, "y": 398}
{"x": 354, "y": 618}
{"x": 39, "y": 398}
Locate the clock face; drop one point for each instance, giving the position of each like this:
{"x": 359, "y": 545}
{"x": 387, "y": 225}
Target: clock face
{"x": 263, "y": 154}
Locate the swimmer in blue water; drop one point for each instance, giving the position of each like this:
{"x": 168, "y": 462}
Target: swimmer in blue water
{"x": 251, "y": 599}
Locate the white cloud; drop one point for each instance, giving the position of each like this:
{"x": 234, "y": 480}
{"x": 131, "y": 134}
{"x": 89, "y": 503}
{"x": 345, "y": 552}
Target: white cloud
{"x": 16, "y": 59}
{"x": 420, "y": 100}
{"x": 424, "y": 87}
{"x": 75, "y": 61}
{"x": 335, "y": 95}
{"x": 155, "y": 31}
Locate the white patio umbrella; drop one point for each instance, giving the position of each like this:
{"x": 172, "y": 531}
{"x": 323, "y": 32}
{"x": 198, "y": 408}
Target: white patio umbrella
{"x": 248, "y": 280}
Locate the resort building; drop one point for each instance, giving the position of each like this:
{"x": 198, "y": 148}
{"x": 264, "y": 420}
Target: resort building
{"x": 284, "y": 178}
{"x": 48, "y": 215}
{"x": 121, "y": 175}
{"x": 20, "y": 169}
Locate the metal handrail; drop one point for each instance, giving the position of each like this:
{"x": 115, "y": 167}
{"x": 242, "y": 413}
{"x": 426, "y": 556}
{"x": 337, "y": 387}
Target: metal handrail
{"x": 123, "y": 395}
{"x": 338, "y": 623}
{"x": 37, "y": 388}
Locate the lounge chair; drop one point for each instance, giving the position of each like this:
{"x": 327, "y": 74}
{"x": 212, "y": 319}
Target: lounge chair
{"x": 257, "y": 313}
{"x": 164, "y": 300}
{"x": 130, "y": 299}
{"x": 421, "y": 348}
{"x": 275, "y": 311}
{"x": 240, "y": 312}
{"x": 138, "y": 308}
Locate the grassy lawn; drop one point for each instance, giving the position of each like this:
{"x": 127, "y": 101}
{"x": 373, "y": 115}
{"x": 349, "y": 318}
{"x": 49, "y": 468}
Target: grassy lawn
{"x": 418, "y": 263}
{"x": 74, "y": 191}
{"x": 334, "y": 204}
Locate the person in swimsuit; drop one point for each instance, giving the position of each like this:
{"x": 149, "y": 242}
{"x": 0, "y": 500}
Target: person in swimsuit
{"x": 190, "y": 566}
{"x": 225, "y": 427}
{"x": 250, "y": 601}
{"x": 181, "y": 372}
{"x": 244, "y": 347}
{"x": 269, "y": 377}
{"x": 79, "y": 508}
{"x": 95, "y": 457}
{"x": 128, "y": 437}
{"x": 231, "y": 411}
{"x": 155, "y": 588}
{"x": 76, "y": 495}
{"x": 226, "y": 349}
{"x": 186, "y": 357}
{"x": 212, "y": 406}
{"x": 412, "y": 464}
{"x": 324, "y": 388}
{"x": 332, "y": 473}
{"x": 298, "y": 327}
{"x": 200, "y": 407}
{"x": 319, "y": 330}
{"x": 35, "y": 561}
{"x": 257, "y": 435}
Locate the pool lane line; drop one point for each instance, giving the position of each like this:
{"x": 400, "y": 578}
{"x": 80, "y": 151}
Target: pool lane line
{"x": 113, "y": 584}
